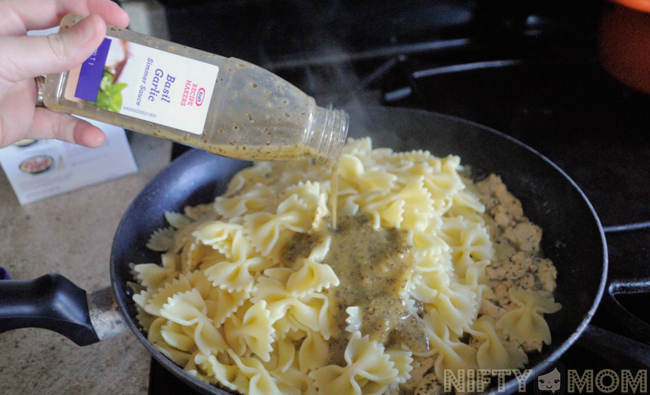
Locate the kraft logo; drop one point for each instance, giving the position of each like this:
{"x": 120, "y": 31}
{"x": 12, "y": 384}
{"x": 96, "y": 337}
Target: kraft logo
{"x": 200, "y": 97}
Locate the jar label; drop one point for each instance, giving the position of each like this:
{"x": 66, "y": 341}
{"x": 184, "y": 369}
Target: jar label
{"x": 145, "y": 83}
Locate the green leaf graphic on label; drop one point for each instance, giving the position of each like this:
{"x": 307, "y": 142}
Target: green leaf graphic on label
{"x": 109, "y": 96}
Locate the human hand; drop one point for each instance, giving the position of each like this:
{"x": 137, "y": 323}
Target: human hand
{"x": 26, "y": 57}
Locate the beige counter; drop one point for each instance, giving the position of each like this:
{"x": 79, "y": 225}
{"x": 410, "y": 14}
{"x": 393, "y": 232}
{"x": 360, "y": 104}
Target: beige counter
{"x": 72, "y": 234}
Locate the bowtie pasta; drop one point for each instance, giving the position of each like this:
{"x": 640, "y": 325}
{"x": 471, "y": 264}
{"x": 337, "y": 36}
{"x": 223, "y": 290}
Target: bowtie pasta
{"x": 426, "y": 271}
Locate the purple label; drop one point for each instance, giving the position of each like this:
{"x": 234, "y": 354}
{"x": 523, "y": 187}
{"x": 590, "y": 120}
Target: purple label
{"x": 91, "y": 73}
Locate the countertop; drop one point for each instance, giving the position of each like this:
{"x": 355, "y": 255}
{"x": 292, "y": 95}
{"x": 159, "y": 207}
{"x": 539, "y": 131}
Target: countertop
{"x": 71, "y": 234}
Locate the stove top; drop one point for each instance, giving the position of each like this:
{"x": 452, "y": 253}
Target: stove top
{"x": 530, "y": 71}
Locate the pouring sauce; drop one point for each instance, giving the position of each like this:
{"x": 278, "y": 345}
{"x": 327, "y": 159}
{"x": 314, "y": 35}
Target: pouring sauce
{"x": 334, "y": 192}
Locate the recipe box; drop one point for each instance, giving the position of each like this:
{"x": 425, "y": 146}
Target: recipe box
{"x": 45, "y": 168}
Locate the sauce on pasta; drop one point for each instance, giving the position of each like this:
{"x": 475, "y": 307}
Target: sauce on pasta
{"x": 374, "y": 267}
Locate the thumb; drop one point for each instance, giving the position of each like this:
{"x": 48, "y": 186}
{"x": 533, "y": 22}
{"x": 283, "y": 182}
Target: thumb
{"x": 30, "y": 56}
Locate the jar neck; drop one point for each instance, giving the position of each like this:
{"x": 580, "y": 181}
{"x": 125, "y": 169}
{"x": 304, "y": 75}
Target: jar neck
{"x": 329, "y": 130}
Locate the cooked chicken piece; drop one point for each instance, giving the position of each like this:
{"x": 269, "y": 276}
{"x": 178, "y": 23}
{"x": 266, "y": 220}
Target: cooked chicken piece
{"x": 503, "y": 297}
{"x": 490, "y": 203}
{"x": 525, "y": 235}
{"x": 526, "y": 282}
{"x": 491, "y": 310}
{"x": 546, "y": 273}
{"x": 493, "y": 187}
{"x": 512, "y": 269}
{"x": 520, "y": 264}
{"x": 497, "y": 270}
{"x": 512, "y": 204}
{"x": 502, "y": 216}
{"x": 503, "y": 249}
{"x": 429, "y": 385}
{"x": 485, "y": 192}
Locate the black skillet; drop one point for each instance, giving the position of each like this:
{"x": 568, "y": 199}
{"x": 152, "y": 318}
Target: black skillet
{"x": 573, "y": 237}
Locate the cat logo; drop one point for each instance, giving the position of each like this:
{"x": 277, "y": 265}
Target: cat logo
{"x": 553, "y": 382}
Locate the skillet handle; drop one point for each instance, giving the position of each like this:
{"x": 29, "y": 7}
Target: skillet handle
{"x": 50, "y": 302}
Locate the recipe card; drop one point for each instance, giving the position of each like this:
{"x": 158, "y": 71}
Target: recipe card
{"x": 44, "y": 168}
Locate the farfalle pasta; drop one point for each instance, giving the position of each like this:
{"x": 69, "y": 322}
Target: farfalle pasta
{"x": 255, "y": 293}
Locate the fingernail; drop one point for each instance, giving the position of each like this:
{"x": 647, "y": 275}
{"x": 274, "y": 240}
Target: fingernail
{"x": 86, "y": 29}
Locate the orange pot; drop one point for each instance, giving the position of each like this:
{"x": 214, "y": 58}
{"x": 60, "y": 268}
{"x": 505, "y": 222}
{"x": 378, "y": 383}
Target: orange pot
{"x": 624, "y": 46}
